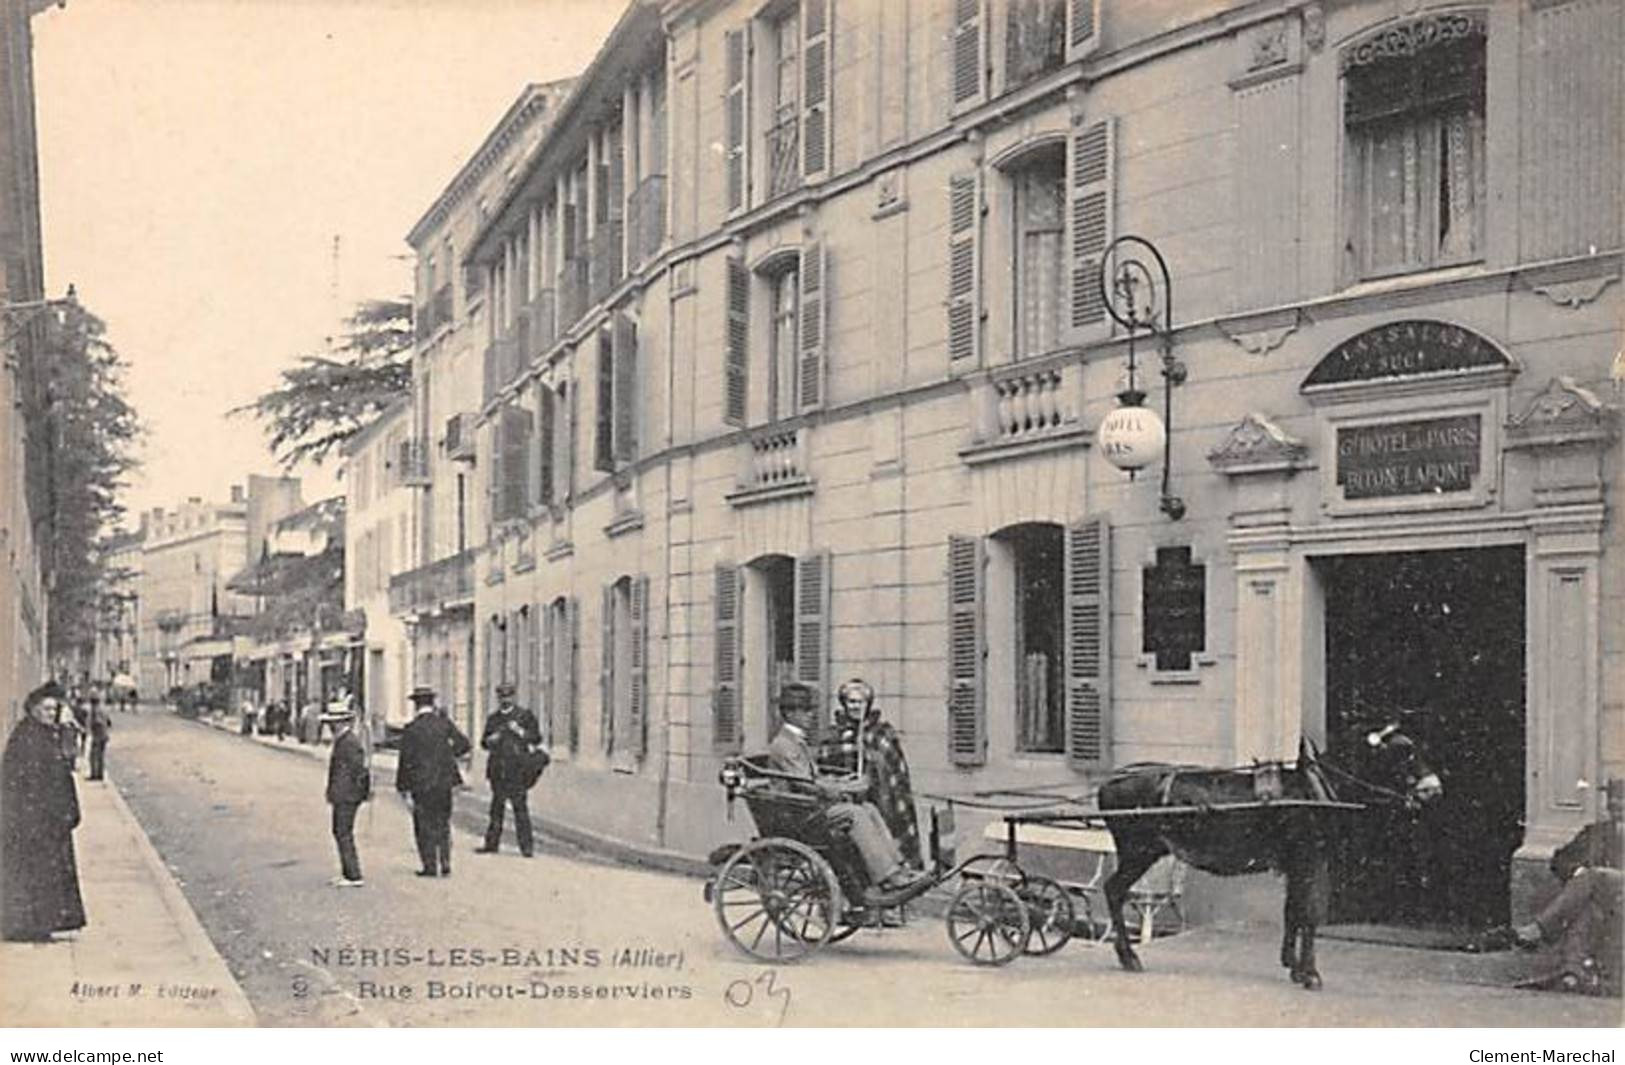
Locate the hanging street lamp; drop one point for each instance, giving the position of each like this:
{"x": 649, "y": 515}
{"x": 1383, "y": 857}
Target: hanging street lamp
{"x": 1133, "y": 283}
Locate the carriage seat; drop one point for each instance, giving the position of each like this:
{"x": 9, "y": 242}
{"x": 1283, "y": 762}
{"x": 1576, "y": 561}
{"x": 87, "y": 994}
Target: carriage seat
{"x": 782, "y": 804}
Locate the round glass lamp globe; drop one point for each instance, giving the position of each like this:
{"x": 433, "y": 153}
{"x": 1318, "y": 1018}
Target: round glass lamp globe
{"x": 1132, "y": 438}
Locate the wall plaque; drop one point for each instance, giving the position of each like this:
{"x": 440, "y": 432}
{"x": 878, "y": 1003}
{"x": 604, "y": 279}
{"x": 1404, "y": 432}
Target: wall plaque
{"x": 1404, "y": 349}
{"x": 1408, "y": 458}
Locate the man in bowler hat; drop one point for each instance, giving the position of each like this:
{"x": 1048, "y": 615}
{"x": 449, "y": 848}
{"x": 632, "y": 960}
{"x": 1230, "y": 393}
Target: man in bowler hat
{"x": 510, "y": 739}
{"x": 427, "y": 773}
{"x": 349, "y": 784}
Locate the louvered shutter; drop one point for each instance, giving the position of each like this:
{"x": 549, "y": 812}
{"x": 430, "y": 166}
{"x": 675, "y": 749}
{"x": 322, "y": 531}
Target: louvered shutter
{"x": 814, "y": 304}
{"x": 964, "y": 270}
{"x": 637, "y": 716}
{"x": 546, "y": 441}
{"x": 547, "y": 675}
{"x": 1090, "y": 159}
{"x": 515, "y": 484}
{"x": 727, "y": 724}
{"x": 1082, "y": 28}
{"x": 969, "y": 77}
{"x": 572, "y": 432}
{"x": 493, "y": 477}
{"x": 606, "y": 670}
{"x": 816, "y": 36}
{"x": 626, "y": 388}
{"x": 736, "y": 368}
{"x": 572, "y": 701}
{"x": 1087, "y": 585}
{"x": 736, "y": 104}
{"x": 603, "y": 452}
{"x": 812, "y": 628}
{"x": 967, "y": 653}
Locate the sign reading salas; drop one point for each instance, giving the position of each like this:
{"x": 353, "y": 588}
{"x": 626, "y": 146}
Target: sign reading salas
{"x": 1408, "y": 458}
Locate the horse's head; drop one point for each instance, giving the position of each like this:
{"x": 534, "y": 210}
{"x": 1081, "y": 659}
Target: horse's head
{"x": 1387, "y": 758}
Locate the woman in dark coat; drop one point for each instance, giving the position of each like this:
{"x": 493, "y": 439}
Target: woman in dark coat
{"x": 863, "y": 743}
{"x": 41, "y": 810}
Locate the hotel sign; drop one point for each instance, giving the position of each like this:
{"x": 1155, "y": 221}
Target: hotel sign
{"x": 1408, "y": 458}
{"x": 1405, "y": 349}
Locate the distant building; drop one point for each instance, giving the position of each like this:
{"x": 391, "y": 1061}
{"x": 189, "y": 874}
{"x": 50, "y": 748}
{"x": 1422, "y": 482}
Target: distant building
{"x": 381, "y": 462}
{"x": 118, "y": 628}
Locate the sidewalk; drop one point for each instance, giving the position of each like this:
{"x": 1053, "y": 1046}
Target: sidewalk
{"x": 142, "y": 961}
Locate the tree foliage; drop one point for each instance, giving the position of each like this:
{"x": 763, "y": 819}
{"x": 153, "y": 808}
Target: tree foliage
{"x": 325, "y": 399}
{"x": 90, "y": 432}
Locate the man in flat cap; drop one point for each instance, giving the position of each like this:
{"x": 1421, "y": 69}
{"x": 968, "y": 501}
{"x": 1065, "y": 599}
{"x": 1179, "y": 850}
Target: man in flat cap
{"x": 511, "y": 739}
{"x": 349, "y": 784}
{"x": 427, "y": 773}
{"x": 40, "y": 810}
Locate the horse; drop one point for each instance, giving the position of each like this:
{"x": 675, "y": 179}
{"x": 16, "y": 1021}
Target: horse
{"x": 1224, "y": 823}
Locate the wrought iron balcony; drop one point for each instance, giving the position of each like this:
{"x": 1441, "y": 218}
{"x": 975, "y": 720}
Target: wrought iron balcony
{"x": 437, "y": 586}
{"x": 606, "y": 259}
{"x": 646, "y": 219}
{"x": 460, "y": 436}
{"x": 784, "y": 157}
{"x": 412, "y": 463}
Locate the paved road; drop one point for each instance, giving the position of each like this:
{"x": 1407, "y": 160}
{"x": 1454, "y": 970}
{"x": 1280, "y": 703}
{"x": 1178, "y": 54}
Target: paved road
{"x": 245, "y": 831}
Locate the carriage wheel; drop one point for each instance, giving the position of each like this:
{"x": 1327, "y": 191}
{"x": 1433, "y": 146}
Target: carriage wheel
{"x": 1049, "y": 910}
{"x": 988, "y": 923}
{"x": 776, "y": 900}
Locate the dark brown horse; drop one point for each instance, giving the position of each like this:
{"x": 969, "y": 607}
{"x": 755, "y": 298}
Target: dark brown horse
{"x": 1248, "y": 820}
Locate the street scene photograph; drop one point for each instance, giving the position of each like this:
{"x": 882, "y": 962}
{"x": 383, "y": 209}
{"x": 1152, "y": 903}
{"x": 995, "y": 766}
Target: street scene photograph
{"x": 918, "y": 514}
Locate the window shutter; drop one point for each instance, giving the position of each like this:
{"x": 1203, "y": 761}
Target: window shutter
{"x": 546, "y": 675}
{"x": 1087, "y": 585}
{"x": 969, "y": 78}
{"x": 726, "y": 720}
{"x": 812, "y": 628}
{"x": 964, "y": 269}
{"x": 606, "y": 671}
{"x": 546, "y": 441}
{"x": 1082, "y": 28}
{"x": 814, "y": 304}
{"x": 626, "y": 388}
{"x": 967, "y": 653}
{"x": 736, "y": 60}
{"x": 571, "y": 435}
{"x": 572, "y": 695}
{"x": 603, "y": 452}
{"x": 493, "y": 480}
{"x": 1090, "y": 161}
{"x": 735, "y": 372}
{"x": 638, "y": 711}
{"x": 816, "y": 36}
{"x": 515, "y": 484}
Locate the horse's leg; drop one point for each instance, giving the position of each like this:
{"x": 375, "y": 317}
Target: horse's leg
{"x": 1316, "y": 900}
{"x": 1135, "y": 854}
{"x": 1290, "y": 909}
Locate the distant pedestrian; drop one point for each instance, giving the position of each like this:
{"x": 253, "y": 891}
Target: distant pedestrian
{"x": 70, "y": 734}
{"x": 40, "y": 809}
{"x": 349, "y": 784}
{"x": 250, "y": 714}
{"x": 427, "y": 772}
{"x": 512, "y": 740}
{"x": 99, "y": 721}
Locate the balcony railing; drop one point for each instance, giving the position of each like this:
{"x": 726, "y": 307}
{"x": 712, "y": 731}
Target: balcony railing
{"x": 776, "y": 458}
{"x": 784, "y": 157}
{"x": 434, "y": 313}
{"x": 446, "y": 583}
{"x": 412, "y": 463}
{"x": 543, "y": 323}
{"x": 606, "y": 259}
{"x": 1025, "y": 406}
{"x": 574, "y": 295}
{"x": 460, "y": 436}
{"x": 646, "y": 219}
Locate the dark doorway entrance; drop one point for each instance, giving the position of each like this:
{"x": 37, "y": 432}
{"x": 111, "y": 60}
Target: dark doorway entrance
{"x": 1435, "y": 641}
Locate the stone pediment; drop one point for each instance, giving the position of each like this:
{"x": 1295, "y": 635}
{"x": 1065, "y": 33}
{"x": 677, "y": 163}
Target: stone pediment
{"x": 1257, "y": 445}
{"x": 1561, "y": 414}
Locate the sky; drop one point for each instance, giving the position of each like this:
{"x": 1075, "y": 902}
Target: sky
{"x": 200, "y": 158}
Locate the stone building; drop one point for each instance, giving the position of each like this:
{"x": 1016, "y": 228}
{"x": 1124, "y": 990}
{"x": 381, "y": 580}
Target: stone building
{"x": 379, "y": 542}
{"x": 117, "y": 629}
{"x": 795, "y": 348}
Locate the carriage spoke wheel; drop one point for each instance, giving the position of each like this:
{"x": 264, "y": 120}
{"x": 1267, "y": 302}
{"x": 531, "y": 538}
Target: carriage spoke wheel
{"x": 1049, "y": 911}
{"x": 776, "y": 900}
{"x": 988, "y": 923}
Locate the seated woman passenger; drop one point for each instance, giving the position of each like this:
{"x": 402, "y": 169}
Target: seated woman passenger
{"x": 847, "y": 814}
{"x": 866, "y": 745}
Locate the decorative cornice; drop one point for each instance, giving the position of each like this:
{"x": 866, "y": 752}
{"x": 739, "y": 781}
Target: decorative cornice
{"x": 790, "y": 489}
{"x": 1563, "y": 414}
{"x": 1571, "y": 294}
{"x": 1257, "y": 445}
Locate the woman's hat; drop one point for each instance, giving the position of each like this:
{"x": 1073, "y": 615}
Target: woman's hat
{"x": 49, "y": 690}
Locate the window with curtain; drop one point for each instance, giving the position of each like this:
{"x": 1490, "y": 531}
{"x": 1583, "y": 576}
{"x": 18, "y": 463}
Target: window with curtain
{"x": 1040, "y": 197}
{"x": 1413, "y": 113}
{"x": 781, "y": 374}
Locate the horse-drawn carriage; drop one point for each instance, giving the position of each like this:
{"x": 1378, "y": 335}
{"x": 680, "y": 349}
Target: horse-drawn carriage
{"x": 798, "y": 886}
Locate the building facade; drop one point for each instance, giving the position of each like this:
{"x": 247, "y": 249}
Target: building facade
{"x": 117, "y": 630}
{"x": 432, "y": 595}
{"x": 797, "y": 346}
{"x": 380, "y": 536}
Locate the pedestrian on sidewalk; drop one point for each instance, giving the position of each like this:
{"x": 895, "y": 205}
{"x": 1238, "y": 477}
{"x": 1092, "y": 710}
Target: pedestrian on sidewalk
{"x": 427, "y": 774}
{"x": 512, "y": 740}
{"x": 100, "y": 723}
{"x": 39, "y": 808}
{"x": 349, "y": 784}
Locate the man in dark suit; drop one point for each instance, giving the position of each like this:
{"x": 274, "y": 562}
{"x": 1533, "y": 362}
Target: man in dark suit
{"x": 847, "y": 813}
{"x": 510, "y": 739}
{"x": 100, "y": 724}
{"x": 427, "y": 772}
{"x": 349, "y": 784}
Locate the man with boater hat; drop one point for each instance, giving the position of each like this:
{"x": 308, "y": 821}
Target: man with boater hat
{"x": 427, "y": 773}
{"x": 349, "y": 784}
{"x": 511, "y": 740}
